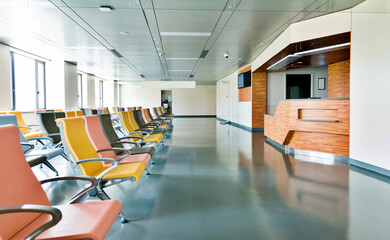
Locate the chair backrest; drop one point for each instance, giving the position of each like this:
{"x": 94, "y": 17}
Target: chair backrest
{"x": 2, "y": 113}
{"x": 149, "y": 116}
{"x": 20, "y": 120}
{"x": 57, "y": 110}
{"x": 18, "y": 183}
{"x": 76, "y": 143}
{"x": 39, "y": 110}
{"x": 11, "y": 119}
{"x": 114, "y": 109}
{"x": 48, "y": 123}
{"x": 108, "y": 129}
{"x": 124, "y": 117}
{"x": 139, "y": 118}
{"x": 146, "y": 117}
{"x": 132, "y": 120}
{"x": 96, "y": 135}
{"x": 79, "y": 113}
{"x": 70, "y": 114}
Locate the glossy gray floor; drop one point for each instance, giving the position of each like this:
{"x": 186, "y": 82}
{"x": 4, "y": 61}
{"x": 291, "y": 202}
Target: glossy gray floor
{"x": 215, "y": 181}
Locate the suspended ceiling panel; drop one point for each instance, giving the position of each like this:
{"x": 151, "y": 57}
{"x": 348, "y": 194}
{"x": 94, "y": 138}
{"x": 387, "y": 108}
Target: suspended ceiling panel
{"x": 160, "y": 39}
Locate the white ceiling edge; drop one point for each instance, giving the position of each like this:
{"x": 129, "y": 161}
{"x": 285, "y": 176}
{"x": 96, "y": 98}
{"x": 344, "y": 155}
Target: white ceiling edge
{"x": 168, "y": 84}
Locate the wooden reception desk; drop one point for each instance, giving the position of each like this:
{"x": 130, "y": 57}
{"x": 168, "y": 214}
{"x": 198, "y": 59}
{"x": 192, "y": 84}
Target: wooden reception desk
{"x": 313, "y": 125}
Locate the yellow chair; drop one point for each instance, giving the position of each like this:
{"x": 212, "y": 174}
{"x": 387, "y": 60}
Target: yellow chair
{"x": 24, "y": 128}
{"x": 70, "y": 114}
{"x": 79, "y": 113}
{"x": 81, "y": 151}
{"x": 57, "y": 110}
{"x": 142, "y": 136}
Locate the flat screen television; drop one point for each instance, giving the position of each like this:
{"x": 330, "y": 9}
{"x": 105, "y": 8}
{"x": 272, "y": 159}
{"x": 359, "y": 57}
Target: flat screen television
{"x": 245, "y": 79}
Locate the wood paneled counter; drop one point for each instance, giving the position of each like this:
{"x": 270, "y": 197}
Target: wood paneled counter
{"x": 313, "y": 125}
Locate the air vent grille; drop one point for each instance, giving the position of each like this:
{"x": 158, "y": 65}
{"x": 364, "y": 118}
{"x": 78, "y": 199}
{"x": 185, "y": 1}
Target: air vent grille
{"x": 204, "y": 53}
{"x": 116, "y": 53}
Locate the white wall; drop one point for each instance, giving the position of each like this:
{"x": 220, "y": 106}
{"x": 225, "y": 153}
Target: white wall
{"x": 90, "y": 92}
{"x": 5, "y": 78}
{"x": 276, "y": 85}
{"x": 132, "y": 96}
{"x": 239, "y": 112}
{"x": 71, "y": 86}
{"x": 194, "y": 101}
{"x": 108, "y": 93}
{"x": 55, "y": 85}
{"x": 370, "y": 83}
{"x": 185, "y": 101}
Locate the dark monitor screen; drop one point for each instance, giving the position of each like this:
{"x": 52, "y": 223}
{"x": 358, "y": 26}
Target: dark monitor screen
{"x": 241, "y": 80}
{"x": 245, "y": 79}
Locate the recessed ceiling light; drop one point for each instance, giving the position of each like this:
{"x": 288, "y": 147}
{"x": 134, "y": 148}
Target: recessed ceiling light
{"x": 300, "y": 62}
{"x": 186, "y": 34}
{"x": 106, "y": 8}
{"x": 124, "y": 33}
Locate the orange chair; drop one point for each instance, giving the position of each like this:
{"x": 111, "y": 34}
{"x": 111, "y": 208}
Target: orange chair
{"x": 99, "y": 141}
{"x": 25, "y": 210}
{"x": 58, "y": 110}
{"x": 1, "y": 113}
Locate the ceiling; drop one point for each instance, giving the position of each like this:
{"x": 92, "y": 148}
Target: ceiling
{"x": 178, "y": 30}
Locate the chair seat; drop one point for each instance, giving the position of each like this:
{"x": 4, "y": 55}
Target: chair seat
{"x": 48, "y": 153}
{"x": 76, "y": 221}
{"x": 33, "y": 135}
{"x": 123, "y": 171}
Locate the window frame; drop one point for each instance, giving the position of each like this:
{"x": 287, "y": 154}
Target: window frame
{"x": 36, "y": 90}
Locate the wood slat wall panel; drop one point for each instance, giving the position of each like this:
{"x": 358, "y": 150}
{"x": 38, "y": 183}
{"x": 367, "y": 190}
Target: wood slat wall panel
{"x": 245, "y": 94}
{"x": 338, "y": 79}
{"x": 329, "y": 137}
{"x": 259, "y": 99}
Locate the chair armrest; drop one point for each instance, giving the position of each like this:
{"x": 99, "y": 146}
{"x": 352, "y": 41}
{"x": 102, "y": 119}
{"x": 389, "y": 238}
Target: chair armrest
{"x": 126, "y": 142}
{"x": 40, "y": 138}
{"x": 141, "y": 132}
{"x": 127, "y": 151}
{"x": 141, "y": 139}
{"x": 102, "y": 174}
{"x": 53, "y": 134}
{"x": 79, "y": 195}
{"x": 28, "y": 145}
{"x": 55, "y": 213}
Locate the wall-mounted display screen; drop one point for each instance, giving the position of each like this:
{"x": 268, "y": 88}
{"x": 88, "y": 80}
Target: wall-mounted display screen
{"x": 245, "y": 79}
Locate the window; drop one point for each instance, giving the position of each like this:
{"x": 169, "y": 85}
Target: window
{"x": 100, "y": 93}
{"x": 80, "y": 89}
{"x": 28, "y": 83}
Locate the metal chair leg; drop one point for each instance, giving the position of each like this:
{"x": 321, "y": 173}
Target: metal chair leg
{"x": 51, "y": 167}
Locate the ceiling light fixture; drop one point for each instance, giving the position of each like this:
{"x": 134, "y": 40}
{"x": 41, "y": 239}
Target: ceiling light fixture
{"x": 106, "y": 8}
{"x": 186, "y": 34}
{"x": 293, "y": 57}
{"x": 124, "y": 33}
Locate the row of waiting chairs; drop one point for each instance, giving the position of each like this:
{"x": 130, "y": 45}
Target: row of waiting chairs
{"x": 103, "y": 157}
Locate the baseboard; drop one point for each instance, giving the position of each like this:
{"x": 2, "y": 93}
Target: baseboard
{"x": 246, "y": 128}
{"x": 326, "y": 158}
{"x": 370, "y": 168}
{"x": 195, "y": 116}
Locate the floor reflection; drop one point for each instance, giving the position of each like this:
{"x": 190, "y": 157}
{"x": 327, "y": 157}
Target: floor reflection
{"x": 213, "y": 181}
